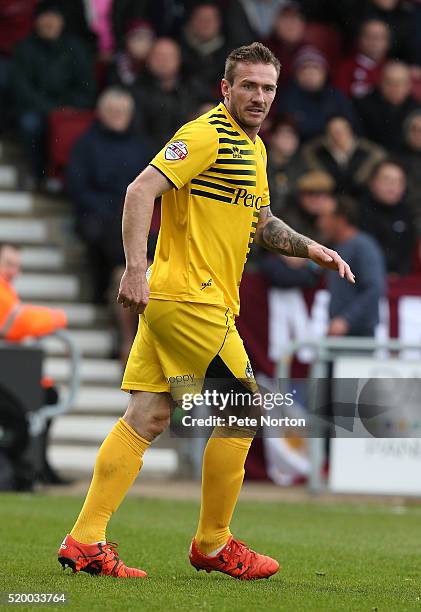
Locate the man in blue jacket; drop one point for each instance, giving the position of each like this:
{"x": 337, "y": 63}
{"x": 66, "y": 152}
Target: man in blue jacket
{"x": 353, "y": 312}
{"x": 103, "y": 162}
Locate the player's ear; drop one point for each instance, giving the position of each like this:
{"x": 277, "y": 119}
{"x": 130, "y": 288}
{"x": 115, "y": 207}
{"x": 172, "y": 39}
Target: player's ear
{"x": 225, "y": 88}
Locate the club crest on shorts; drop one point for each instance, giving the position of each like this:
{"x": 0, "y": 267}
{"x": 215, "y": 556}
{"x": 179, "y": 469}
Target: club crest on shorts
{"x": 176, "y": 150}
{"x": 249, "y": 370}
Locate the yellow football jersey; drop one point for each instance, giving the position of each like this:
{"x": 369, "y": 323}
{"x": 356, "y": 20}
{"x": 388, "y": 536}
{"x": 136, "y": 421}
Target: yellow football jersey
{"x": 209, "y": 219}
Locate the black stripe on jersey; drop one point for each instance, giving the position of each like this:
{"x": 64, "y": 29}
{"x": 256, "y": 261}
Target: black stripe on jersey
{"x": 236, "y": 182}
{"x": 211, "y": 196}
{"x": 219, "y": 115}
{"x": 219, "y": 122}
{"x": 197, "y": 181}
{"x": 232, "y": 172}
{"x": 221, "y": 130}
{"x": 229, "y": 152}
{"x": 254, "y": 223}
{"x": 231, "y": 141}
{"x": 256, "y": 214}
{"x": 236, "y": 162}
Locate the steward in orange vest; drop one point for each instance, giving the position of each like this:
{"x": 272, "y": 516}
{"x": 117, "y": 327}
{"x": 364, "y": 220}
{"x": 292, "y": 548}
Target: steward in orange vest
{"x": 19, "y": 321}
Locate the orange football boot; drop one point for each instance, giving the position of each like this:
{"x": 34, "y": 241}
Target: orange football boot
{"x": 236, "y": 560}
{"x": 99, "y": 559}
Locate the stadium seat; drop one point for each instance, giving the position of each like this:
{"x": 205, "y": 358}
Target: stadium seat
{"x": 65, "y": 126}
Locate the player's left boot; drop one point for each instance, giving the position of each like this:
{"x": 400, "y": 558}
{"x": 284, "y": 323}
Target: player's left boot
{"x": 236, "y": 560}
{"x": 100, "y": 559}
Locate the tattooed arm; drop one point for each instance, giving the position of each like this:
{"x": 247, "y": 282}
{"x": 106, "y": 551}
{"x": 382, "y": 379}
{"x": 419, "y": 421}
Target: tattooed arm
{"x": 276, "y": 236}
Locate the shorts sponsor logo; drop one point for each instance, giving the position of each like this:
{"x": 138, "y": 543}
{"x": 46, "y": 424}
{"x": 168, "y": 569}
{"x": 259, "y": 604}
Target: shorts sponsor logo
{"x": 181, "y": 379}
{"x": 176, "y": 151}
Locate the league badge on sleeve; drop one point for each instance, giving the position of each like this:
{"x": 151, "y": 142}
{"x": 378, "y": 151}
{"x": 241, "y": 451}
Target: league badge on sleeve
{"x": 176, "y": 151}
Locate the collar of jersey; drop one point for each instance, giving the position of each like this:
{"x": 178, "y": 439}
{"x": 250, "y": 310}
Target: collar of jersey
{"x": 234, "y": 123}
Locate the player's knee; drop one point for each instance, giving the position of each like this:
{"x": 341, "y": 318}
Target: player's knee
{"x": 156, "y": 424}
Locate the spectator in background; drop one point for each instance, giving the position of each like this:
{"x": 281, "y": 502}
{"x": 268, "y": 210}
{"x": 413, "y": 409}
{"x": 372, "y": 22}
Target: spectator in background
{"x": 164, "y": 100}
{"x": 313, "y": 190}
{"x": 130, "y": 61}
{"x": 357, "y": 75}
{"x": 90, "y": 21}
{"x": 18, "y": 322}
{"x": 399, "y": 17}
{"x": 309, "y": 99}
{"x": 203, "y": 45}
{"x": 385, "y": 214}
{"x": 385, "y": 109}
{"x": 353, "y": 309}
{"x": 16, "y": 20}
{"x": 410, "y": 157}
{"x": 347, "y": 158}
{"x": 285, "y": 164}
{"x": 165, "y": 16}
{"x": 123, "y": 13}
{"x": 15, "y": 24}
{"x": 103, "y": 162}
{"x": 287, "y": 38}
{"x": 50, "y": 70}
{"x": 342, "y": 14}
{"x": 250, "y": 20}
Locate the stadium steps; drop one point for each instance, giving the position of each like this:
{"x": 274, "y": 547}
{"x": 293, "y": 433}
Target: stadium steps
{"x": 90, "y": 342}
{"x": 54, "y": 274}
{"x": 93, "y": 371}
{"x": 80, "y": 460}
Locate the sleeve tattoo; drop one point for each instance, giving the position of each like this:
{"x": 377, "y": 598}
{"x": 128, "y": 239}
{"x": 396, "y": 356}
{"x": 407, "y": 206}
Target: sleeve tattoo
{"x": 276, "y": 236}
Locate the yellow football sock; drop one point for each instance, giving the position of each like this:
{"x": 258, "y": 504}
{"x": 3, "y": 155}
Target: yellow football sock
{"x": 117, "y": 464}
{"x": 222, "y": 477}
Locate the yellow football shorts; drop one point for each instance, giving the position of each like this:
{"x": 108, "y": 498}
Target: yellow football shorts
{"x": 178, "y": 345}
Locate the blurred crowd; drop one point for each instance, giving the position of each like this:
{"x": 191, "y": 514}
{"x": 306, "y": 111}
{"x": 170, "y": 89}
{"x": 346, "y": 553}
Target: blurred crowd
{"x": 346, "y": 120}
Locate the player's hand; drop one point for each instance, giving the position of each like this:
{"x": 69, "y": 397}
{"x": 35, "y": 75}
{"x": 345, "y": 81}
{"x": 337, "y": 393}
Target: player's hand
{"x": 134, "y": 290}
{"x": 327, "y": 258}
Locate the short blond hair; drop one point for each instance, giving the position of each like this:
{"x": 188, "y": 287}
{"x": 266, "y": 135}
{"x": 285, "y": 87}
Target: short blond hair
{"x": 256, "y": 53}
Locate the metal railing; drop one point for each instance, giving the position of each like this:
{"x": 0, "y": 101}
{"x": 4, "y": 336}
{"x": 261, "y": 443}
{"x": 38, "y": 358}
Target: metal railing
{"x": 37, "y": 418}
{"x": 325, "y": 351}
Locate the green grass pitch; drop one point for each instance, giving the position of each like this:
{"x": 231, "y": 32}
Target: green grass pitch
{"x": 334, "y": 557}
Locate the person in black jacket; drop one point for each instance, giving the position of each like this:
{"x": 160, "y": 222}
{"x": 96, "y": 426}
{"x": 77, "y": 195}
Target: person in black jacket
{"x": 399, "y": 16}
{"x": 410, "y": 158}
{"x": 50, "y": 70}
{"x": 102, "y": 163}
{"x": 203, "y": 45}
{"x": 164, "y": 99}
{"x": 309, "y": 98}
{"x": 385, "y": 214}
{"x": 385, "y": 109}
{"x": 341, "y": 153}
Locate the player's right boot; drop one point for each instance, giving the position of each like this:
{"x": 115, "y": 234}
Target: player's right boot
{"x": 100, "y": 559}
{"x": 235, "y": 559}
